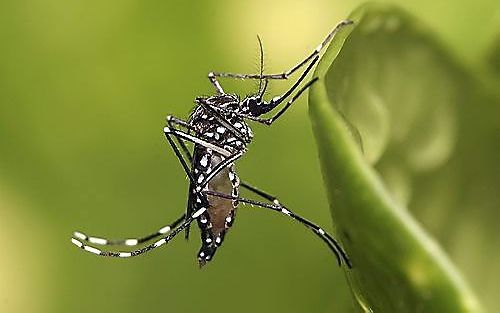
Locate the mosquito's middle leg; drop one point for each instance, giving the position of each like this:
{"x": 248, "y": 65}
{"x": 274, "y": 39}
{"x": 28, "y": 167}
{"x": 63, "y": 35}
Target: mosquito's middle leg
{"x": 260, "y": 192}
{"x": 174, "y": 132}
{"x": 213, "y": 79}
{"x": 172, "y": 121}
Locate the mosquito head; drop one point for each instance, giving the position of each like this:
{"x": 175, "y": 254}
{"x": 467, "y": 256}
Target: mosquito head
{"x": 254, "y": 106}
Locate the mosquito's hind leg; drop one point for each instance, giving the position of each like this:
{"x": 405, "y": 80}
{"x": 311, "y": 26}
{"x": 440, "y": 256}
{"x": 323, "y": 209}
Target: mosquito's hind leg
{"x": 130, "y": 241}
{"x": 127, "y": 254}
{"x": 260, "y": 192}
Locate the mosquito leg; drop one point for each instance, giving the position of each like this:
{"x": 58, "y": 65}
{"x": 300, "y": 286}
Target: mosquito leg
{"x": 129, "y": 241}
{"x": 286, "y": 74}
{"x": 327, "y": 238}
{"x": 161, "y": 231}
{"x": 260, "y": 192}
{"x": 172, "y": 121}
{"x": 132, "y": 241}
{"x": 127, "y": 254}
{"x": 293, "y": 99}
{"x": 213, "y": 79}
{"x": 174, "y": 132}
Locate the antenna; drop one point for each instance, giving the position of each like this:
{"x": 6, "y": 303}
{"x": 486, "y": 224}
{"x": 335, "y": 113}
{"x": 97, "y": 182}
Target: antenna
{"x": 261, "y": 63}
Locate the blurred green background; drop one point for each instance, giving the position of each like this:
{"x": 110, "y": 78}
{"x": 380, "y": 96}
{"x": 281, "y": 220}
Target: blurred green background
{"x": 84, "y": 90}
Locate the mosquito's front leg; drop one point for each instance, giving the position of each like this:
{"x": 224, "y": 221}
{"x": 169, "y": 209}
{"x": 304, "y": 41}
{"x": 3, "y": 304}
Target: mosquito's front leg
{"x": 286, "y": 74}
{"x": 213, "y": 79}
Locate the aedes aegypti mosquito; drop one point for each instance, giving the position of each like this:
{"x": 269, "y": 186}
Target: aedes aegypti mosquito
{"x": 218, "y": 129}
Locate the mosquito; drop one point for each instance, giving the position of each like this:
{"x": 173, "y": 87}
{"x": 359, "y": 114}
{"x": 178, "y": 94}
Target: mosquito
{"x": 220, "y": 134}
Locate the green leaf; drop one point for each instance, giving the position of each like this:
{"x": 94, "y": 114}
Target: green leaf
{"x": 494, "y": 55}
{"x": 383, "y": 113}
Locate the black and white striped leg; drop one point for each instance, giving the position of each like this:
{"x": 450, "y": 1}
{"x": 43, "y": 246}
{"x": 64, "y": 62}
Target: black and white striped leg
{"x": 128, "y": 254}
{"x": 327, "y": 238}
{"x": 286, "y": 74}
{"x": 130, "y": 241}
{"x": 215, "y": 82}
{"x": 183, "y": 135}
{"x": 135, "y": 241}
{"x": 173, "y": 121}
{"x": 260, "y": 192}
